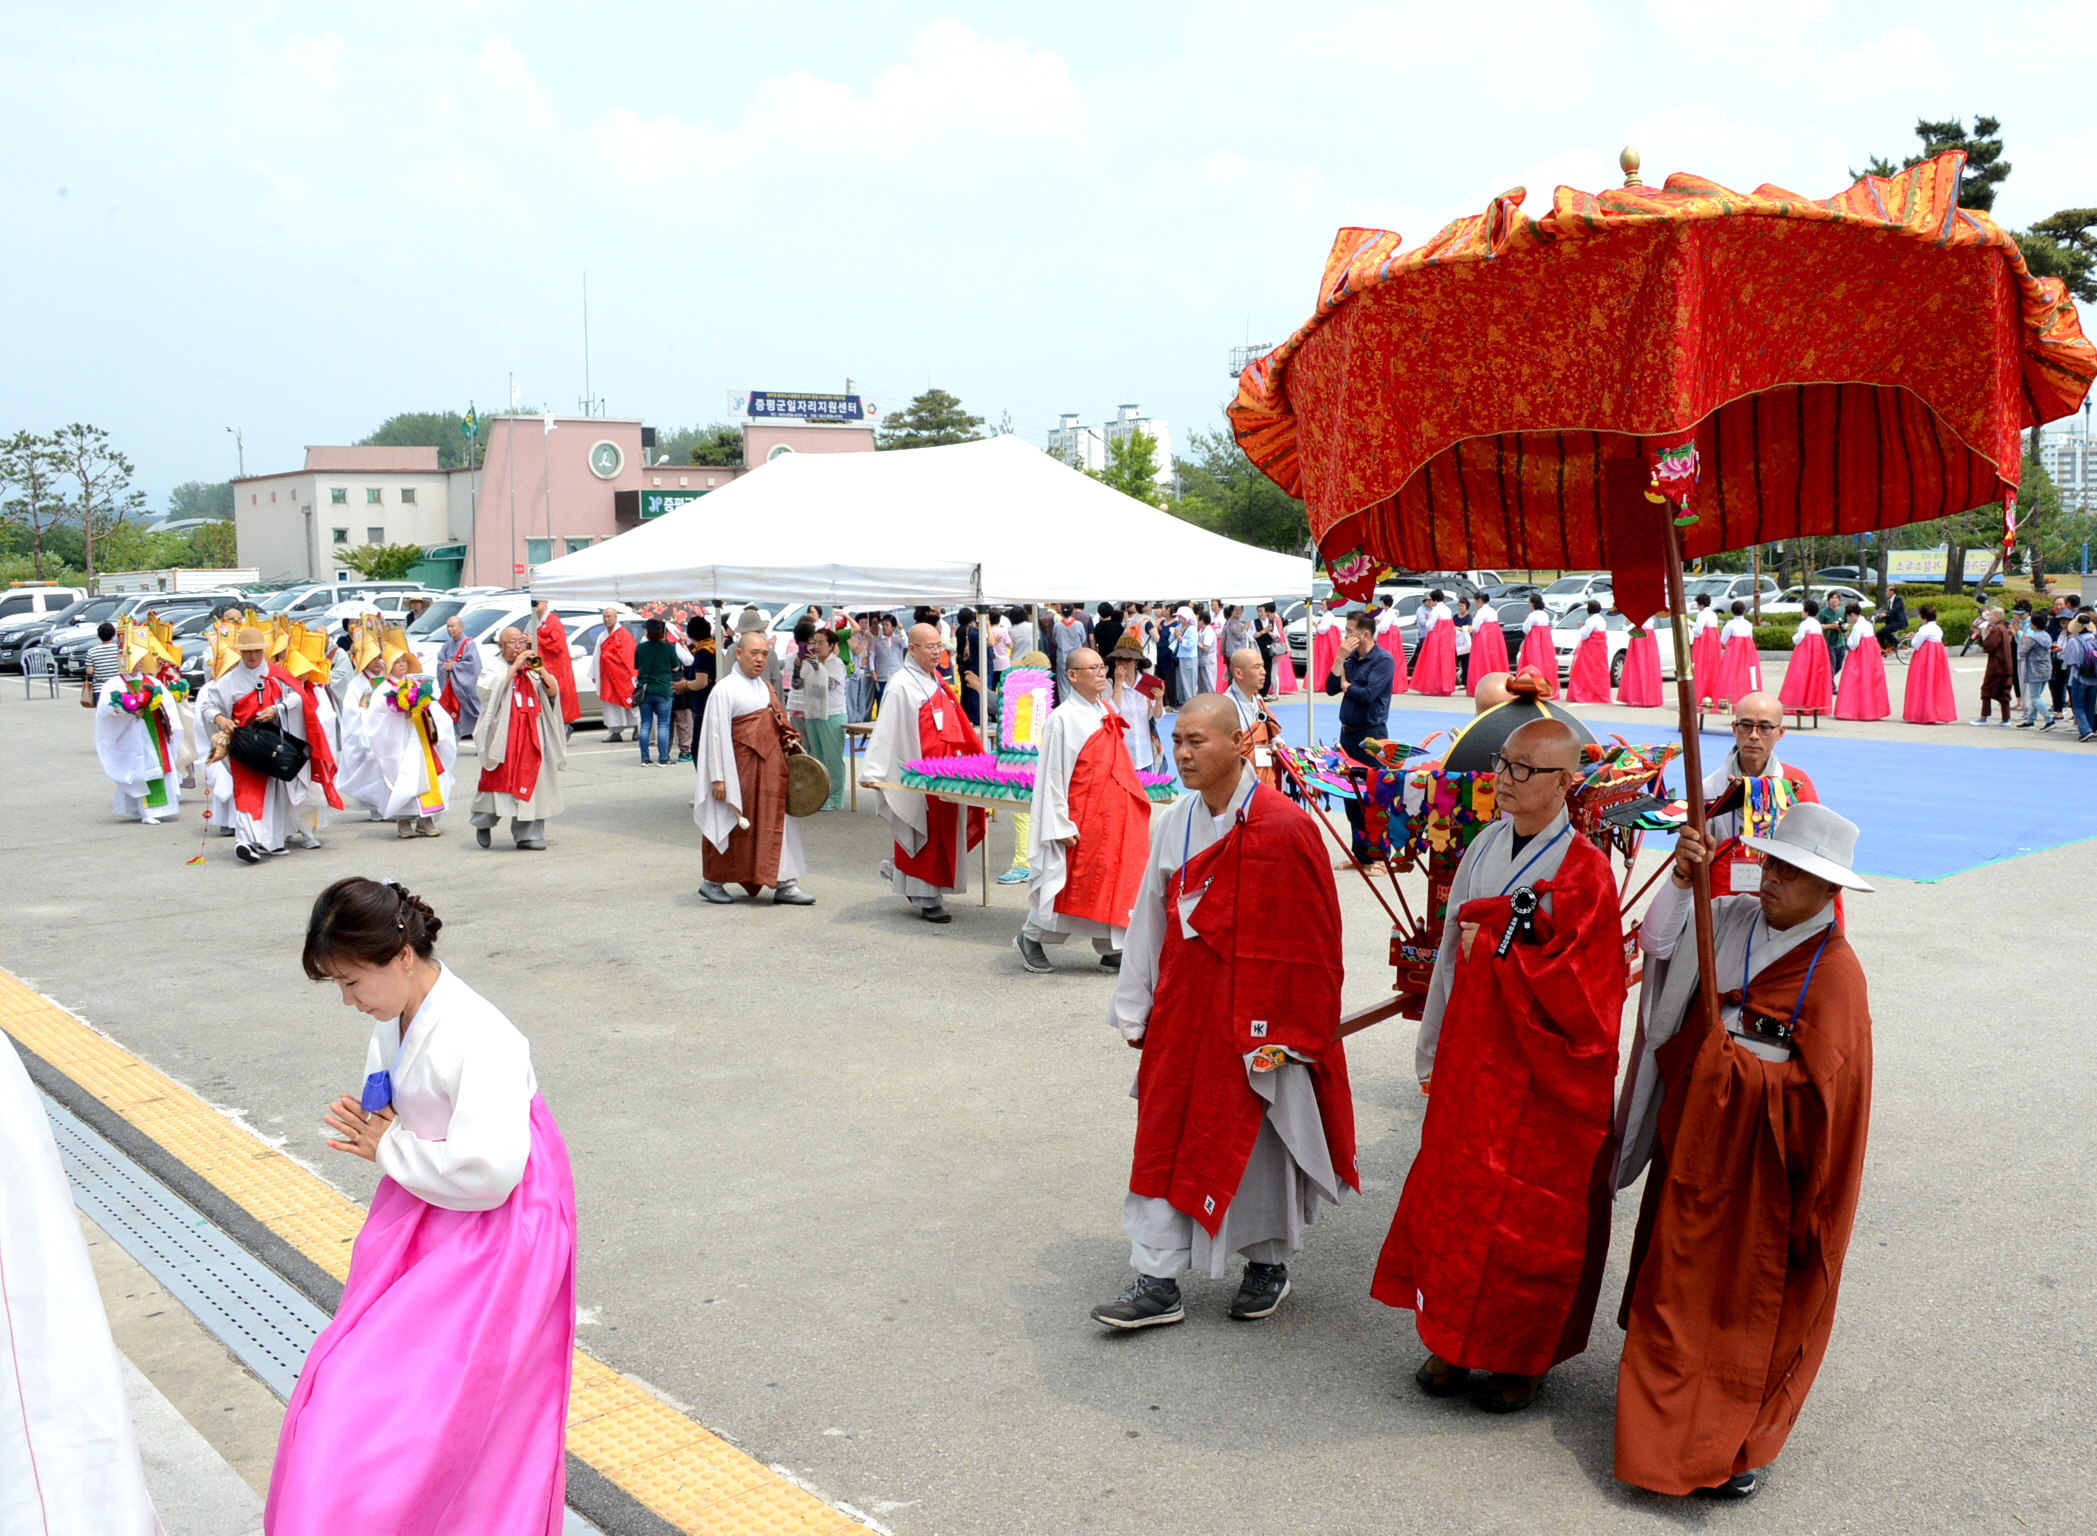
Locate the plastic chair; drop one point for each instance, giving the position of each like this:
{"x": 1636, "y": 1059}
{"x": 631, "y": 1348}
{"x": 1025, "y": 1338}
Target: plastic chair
{"x": 39, "y": 661}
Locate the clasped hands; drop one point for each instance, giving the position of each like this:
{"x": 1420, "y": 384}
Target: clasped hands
{"x": 360, "y": 1131}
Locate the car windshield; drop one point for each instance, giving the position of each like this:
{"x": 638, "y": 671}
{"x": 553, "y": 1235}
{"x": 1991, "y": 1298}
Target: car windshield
{"x": 1708, "y": 585}
{"x": 1566, "y": 586}
{"x": 277, "y": 602}
{"x": 484, "y": 623}
{"x": 433, "y": 617}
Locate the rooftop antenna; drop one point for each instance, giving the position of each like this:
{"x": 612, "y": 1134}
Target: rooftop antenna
{"x": 587, "y": 400}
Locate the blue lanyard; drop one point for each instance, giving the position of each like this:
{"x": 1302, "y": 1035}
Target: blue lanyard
{"x": 378, "y": 1087}
{"x": 1516, "y": 878}
{"x": 1812, "y": 966}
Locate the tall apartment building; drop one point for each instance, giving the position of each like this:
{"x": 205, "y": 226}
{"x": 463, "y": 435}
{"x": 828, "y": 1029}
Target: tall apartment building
{"x": 1089, "y": 448}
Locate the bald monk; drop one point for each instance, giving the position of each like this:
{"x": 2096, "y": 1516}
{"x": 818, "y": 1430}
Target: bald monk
{"x": 1248, "y": 681}
{"x": 1492, "y": 691}
{"x": 1754, "y": 1129}
{"x": 1758, "y": 725}
{"x": 921, "y": 717}
{"x": 1500, "y": 1235}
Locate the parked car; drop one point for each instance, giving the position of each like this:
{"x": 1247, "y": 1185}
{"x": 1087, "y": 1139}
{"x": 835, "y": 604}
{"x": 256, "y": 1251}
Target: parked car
{"x": 489, "y": 617}
{"x": 38, "y": 631}
{"x": 1565, "y": 639}
{"x": 1725, "y": 590}
{"x": 1848, "y": 575}
{"x": 307, "y": 601}
{"x": 1569, "y": 594}
{"x": 24, "y": 606}
{"x": 70, "y": 653}
{"x": 1792, "y": 603}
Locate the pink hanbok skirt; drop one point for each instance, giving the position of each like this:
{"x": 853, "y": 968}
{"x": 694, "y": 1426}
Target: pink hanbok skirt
{"x": 1704, "y": 658}
{"x": 435, "y": 1404}
{"x": 1540, "y": 656}
{"x": 1588, "y": 682}
{"x": 1862, "y": 694}
{"x": 1929, "y": 698}
{"x": 1434, "y": 664}
{"x": 1641, "y": 684}
{"x": 1325, "y": 651}
{"x": 1809, "y": 682}
{"x": 1488, "y": 655}
{"x": 1392, "y": 640}
{"x": 1739, "y": 670}
{"x": 1284, "y": 671}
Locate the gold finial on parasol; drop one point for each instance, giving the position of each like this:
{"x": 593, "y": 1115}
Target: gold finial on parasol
{"x": 1629, "y": 161}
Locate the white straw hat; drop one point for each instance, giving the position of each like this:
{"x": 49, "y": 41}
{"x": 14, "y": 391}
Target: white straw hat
{"x": 1813, "y": 838}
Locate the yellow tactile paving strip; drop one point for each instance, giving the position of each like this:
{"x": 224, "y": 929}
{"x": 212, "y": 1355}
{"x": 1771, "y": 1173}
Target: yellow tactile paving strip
{"x": 691, "y": 1477}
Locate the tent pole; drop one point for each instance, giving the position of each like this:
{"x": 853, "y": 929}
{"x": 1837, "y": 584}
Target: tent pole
{"x": 1310, "y": 652}
{"x": 1692, "y": 769}
{"x": 982, "y": 713}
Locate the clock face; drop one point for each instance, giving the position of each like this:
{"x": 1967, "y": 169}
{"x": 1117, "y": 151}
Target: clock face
{"x": 606, "y": 460}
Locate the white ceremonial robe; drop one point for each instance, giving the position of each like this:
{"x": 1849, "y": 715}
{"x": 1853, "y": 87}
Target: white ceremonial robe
{"x": 1133, "y": 705}
{"x": 1740, "y": 938}
{"x": 1290, "y": 1169}
{"x": 1490, "y": 867}
{"x": 124, "y": 747}
{"x": 462, "y": 1099}
{"x": 357, "y": 777}
{"x": 728, "y": 700}
{"x": 394, "y": 744}
{"x": 905, "y": 811}
{"x": 617, "y": 717}
{"x": 68, "y": 1454}
{"x": 1051, "y": 829}
{"x": 281, "y": 799}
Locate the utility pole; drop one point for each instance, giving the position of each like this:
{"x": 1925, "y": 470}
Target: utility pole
{"x": 240, "y": 449}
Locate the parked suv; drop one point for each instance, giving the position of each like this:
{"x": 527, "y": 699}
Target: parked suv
{"x": 23, "y": 606}
{"x": 71, "y": 652}
{"x": 1571, "y": 593}
{"x": 307, "y": 601}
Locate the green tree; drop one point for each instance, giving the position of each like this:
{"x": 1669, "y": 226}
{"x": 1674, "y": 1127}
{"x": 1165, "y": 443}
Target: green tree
{"x": 1132, "y": 467}
{"x": 1985, "y": 167}
{"x": 103, "y": 497}
{"x": 214, "y": 546}
{"x": 933, "y": 420}
{"x": 1222, "y": 491}
{"x": 199, "y": 498}
{"x": 2064, "y": 245}
{"x": 426, "y": 429}
{"x": 30, "y": 467}
{"x": 718, "y": 445}
{"x": 381, "y": 562}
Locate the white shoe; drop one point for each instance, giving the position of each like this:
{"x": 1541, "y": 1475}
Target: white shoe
{"x": 149, "y": 821}
{"x": 305, "y": 839}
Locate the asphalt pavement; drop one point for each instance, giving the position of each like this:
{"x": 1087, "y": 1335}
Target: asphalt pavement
{"x": 849, "y": 1182}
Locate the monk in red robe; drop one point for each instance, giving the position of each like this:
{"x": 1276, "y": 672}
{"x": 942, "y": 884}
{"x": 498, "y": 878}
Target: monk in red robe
{"x": 615, "y": 676}
{"x": 1244, "y": 1119}
{"x": 1500, "y": 1236}
{"x": 551, "y": 643}
{"x": 1750, "y": 1131}
{"x": 522, "y": 750}
{"x": 921, "y": 717}
{"x": 1089, "y": 830}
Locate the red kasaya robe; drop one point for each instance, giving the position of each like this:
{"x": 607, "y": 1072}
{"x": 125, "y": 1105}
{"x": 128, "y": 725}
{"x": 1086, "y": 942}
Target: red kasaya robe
{"x": 1502, "y": 1230}
{"x": 322, "y": 761}
{"x": 517, "y": 775}
{"x": 250, "y": 787}
{"x": 943, "y": 730}
{"x": 559, "y": 665}
{"x": 1748, "y": 1208}
{"x": 1103, "y": 869}
{"x": 615, "y": 668}
{"x": 1242, "y": 982}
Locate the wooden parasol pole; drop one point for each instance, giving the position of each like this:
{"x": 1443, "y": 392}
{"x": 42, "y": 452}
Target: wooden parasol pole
{"x": 1692, "y": 767}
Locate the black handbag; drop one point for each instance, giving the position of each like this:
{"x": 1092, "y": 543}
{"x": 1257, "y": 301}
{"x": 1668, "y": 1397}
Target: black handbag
{"x": 268, "y": 751}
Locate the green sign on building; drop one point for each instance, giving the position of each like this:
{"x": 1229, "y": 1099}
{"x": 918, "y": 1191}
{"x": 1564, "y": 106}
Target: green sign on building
{"x": 656, "y": 503}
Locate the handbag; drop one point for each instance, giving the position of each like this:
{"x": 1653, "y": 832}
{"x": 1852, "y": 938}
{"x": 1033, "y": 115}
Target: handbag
{"x": 88, "y": 691}
{"x": 268, "y": 751}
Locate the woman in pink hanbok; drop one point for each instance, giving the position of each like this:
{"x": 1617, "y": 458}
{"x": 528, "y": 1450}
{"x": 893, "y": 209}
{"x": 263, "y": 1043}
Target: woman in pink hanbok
{"x": 1488, "y": 647}
{"x": 1862, "y": 694}
{"x": 1539, "y": 653}
{"x": 1704, "y": 651}
{"x": 436, "y": 1400}
{"x": 1809, "y": 681}
{"x": 1641, "y": 680}
{"x": 1588, "y": 680}
{"x": 1929, "y": 698}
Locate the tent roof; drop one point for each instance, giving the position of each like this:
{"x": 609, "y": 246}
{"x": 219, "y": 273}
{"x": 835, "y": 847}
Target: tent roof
{"x": 997, "y": 520}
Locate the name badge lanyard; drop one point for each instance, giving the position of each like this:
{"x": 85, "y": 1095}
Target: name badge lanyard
{"x": 1812, "y": 965}
{"x": 1522, "y": 920}
{"x": 1515, "y": 879}
{"x": 378, "y": 1086}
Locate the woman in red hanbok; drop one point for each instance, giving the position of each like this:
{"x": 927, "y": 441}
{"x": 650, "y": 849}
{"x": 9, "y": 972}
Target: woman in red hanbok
{"x": 1862, "y": 695}
{"x": 1929, "y": 698}
{"x": 1704, "y": 651}
{"x": 1739, "y": 664}
{"x": 1809, "y": 682}
{"x": 1641, "y": 680}
{"x": 1488, "y": 648}
{"x": 1589, "y": 681}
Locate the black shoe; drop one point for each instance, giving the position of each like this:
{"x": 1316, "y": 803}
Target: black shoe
{"x": 1501, "y": 1393}
{"x": 480, "y": 835}
{"x": 1442, "y": 1378}
{"x": 1031, "y": 954}
{"x": 1740, "y": 1486}
{"x": 246, "y": 853}
{"x": 1110, "y": 962}
{"x": 1261, "y": 1292}
{"x": 1146, "y": 1304}
{"x": 935, "y": 914}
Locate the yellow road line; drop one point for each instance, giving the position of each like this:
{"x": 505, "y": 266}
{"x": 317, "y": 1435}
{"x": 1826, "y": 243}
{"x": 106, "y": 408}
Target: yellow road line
{"x": 683, "y": 1472}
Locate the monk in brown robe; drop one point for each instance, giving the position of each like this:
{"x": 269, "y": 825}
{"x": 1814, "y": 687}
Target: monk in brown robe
{"x": 740, "y": 805}
{"x": 1261, "y": 733}
{"x": 1750, "y": 1130}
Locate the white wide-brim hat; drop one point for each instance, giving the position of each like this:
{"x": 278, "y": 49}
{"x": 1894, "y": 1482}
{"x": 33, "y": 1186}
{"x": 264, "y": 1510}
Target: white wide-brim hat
{"x": 1813, "y": 838}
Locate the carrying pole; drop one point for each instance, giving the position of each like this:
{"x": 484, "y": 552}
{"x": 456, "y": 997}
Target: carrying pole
{"x": 1692, "y": 769}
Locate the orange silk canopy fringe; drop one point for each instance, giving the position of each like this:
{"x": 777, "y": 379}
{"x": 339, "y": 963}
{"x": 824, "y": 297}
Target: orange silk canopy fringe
{"x": 1493, "y": 397}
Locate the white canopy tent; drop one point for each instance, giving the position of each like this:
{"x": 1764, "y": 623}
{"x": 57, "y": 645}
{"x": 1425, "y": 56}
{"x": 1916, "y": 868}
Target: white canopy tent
{"x": 997, "y": 521}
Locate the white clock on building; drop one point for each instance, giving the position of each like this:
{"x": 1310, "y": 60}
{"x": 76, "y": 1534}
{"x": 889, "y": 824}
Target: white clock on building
{"x": 606, "y": 459}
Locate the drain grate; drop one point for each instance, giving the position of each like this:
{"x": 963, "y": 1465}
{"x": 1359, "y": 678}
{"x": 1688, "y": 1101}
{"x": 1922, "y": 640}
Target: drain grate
{"x": 245, "y": 1304}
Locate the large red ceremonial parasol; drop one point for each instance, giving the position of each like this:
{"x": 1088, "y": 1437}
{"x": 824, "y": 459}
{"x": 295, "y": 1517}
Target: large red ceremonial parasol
{"x": 1545, "y": 392}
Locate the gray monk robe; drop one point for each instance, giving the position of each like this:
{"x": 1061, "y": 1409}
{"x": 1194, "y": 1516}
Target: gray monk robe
{"x": 459, "y": 671}
{"x": 522, "y": 749}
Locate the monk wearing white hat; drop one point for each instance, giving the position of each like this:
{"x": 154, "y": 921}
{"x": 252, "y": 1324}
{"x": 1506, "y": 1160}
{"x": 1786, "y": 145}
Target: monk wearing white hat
{"x": 1750, "y": 1132}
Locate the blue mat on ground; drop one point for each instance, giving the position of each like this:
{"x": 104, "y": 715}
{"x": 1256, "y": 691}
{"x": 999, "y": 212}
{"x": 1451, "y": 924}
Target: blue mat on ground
{"x": 1927, "y": 809}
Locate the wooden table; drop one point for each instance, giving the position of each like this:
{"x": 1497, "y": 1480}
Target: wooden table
{"x": 856, "y": 736}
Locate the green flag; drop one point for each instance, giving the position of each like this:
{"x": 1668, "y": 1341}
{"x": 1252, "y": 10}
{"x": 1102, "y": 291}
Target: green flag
{"x": 471, "y": 426}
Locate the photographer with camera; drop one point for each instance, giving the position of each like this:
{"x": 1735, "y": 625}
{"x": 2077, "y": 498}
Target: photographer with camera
{"x": 522, "y": 746}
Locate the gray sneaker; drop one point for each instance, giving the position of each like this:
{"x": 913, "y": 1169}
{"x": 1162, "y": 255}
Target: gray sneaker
{"x": 1149, "y": 1303}
{"x": 714, "y": 891}
{"x": 788, "y": 893}
{"x": 1261, "y": 1292}
{"x": 1031, "y": 954}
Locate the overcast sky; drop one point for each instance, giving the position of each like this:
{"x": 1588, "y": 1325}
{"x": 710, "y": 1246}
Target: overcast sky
{"x": 297, "y": 220}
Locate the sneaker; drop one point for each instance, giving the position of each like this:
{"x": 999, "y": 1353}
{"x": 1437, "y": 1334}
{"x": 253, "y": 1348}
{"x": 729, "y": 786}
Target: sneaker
{"x": 277, "y": 853}
{"x": 937, "y": 914}
{"x": 1110, "y": 962}
{"x": 1031, "y": 954}
{"x": 246, "y": 854}
{"x": 2087, "y": 736}
{"x": 715, "y": 892}
{"x": 533, "y": 845}
{"x": 305, "y": 839}
{"x": 1014, "y": 876}
{"x": 1146, "y": 1304}
{"x": 1980, "y": 722}
{"x": 480, "y": 835}
{"x": 788, "y": 893}
{"x": 1261, "y": 1292}
{"x": 685, "y": 757}
{"x": 1741, "y": 1486}
{"x": 404, "y": 829}
{"x": 428, "y": 828}
{"x": 2025, "y": 725}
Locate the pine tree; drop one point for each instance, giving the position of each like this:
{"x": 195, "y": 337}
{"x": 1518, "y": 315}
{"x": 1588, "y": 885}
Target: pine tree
{"x": 933, "y": 420}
